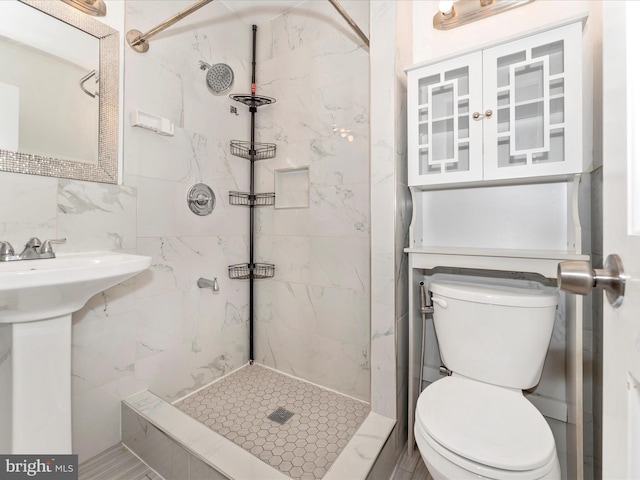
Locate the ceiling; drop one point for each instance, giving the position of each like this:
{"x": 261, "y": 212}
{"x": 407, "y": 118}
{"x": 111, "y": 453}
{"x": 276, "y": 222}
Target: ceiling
{"x": 260, "y": 11}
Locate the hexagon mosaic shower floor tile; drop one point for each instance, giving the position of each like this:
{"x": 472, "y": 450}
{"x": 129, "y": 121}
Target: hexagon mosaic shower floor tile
{"x": 294, "y": 426}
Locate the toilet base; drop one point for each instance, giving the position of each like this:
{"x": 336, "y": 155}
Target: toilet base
{"x": 442, "y": 469}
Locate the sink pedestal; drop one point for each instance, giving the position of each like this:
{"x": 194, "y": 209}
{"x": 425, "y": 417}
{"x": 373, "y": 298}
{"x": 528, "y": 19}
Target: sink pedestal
{"x": 37, "y": 298}
{"x": 35, "y": 386}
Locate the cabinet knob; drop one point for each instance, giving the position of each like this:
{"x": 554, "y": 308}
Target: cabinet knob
{"x": 480, "y": 116}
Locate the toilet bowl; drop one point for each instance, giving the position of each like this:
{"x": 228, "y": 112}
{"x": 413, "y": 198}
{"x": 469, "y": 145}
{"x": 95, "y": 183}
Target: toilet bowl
{"x": 477, "y": 423}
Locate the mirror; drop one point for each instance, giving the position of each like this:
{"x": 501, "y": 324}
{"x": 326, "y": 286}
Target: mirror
{"x": 59, "y": 113}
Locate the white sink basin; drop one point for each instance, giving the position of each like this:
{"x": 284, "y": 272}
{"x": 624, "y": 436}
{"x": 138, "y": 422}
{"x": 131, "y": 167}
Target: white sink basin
{"x": 37, "y": 298}
{"x": 38, "y": 289}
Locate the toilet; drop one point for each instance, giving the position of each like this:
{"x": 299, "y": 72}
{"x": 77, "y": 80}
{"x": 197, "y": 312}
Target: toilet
{"x": 476, "y": 423}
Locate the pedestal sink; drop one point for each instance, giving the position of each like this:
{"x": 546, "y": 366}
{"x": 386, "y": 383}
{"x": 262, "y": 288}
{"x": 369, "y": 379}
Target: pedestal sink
{"x": 37, "y": 298}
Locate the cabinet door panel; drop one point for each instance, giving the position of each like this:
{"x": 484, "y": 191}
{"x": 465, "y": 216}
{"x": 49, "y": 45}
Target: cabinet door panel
{"x": 445, "y": 143}
{"x": 537, "y": 128}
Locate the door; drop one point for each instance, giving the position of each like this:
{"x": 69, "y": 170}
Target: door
{"x": 445, "y": 145}
{"x": 621, "y": 235}
{"x": 533, "y": 89}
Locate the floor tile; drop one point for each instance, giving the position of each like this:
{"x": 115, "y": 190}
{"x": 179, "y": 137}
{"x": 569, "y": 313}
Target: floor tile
{"x": 305, "y": 445}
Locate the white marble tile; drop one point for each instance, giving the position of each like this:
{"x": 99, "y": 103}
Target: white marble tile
{"x": 164, "y": 100}
{"x": 103, "y": 350}
{"x": 116, "y": 300}
{"x": 187, "y": 367}
{"x": 154, "y": 446}
{"x": 176, "y": 157}
{"x": 341, "y": 210}
{"x": 344, "y": 104}
{"x": 298, "y": 28}
{"x": 176, "y": 219}
{"x": 28, "y": 208}
{"x": 363, "y": 449}
{"x": 95, "y": 216}
{"x": 338, "y": 159}
{"x": 341, "y": 262}
{"x": 383, "y": 218}
{"x": 178, "y": 262}
{"x": 338, "y": 314}
{"x": 159, "y": 324}
{"x": 231, "y": 460}
{"x": 384, "y": 140}
{"x": 338, "y": 365}
{"x": 95, "y": 422}
{"x": 198, "y": 470}
{"x": 198, "y": 37}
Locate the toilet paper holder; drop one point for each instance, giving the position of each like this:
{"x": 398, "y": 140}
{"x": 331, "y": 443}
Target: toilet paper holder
{"x": 577, "y": 276}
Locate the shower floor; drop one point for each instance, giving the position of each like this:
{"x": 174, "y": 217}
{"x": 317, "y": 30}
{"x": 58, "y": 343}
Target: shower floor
{"x": 305, "y": 446}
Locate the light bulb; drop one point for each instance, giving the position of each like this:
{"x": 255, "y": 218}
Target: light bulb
{"x": 445, "y": 6}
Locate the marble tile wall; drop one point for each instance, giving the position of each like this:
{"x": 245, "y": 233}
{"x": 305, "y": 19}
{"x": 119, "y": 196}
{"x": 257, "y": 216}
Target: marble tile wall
{"x": 313, "y": 317}
{"x": 185, "y": 337}
{"x": 391, "y": 207}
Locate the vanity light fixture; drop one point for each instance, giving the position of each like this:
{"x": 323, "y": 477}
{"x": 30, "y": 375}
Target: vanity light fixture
{"x": 97, "y": 8}
{"x": 453, "y": 14}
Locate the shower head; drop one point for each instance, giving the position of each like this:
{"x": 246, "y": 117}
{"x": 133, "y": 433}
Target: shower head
{"x": 219, "y": 77}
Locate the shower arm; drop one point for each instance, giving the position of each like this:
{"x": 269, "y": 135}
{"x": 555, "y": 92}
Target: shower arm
{"x": 139, "y": 41}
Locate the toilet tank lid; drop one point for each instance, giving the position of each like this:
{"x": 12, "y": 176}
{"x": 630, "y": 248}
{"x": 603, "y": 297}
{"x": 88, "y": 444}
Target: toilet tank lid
{"x": 495, "y": 294}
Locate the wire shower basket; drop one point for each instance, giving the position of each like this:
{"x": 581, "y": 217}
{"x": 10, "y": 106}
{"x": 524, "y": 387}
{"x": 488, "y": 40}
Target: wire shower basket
{"x": 243, "y": 271}
{"x": 258, "y": 200}
{"x": 261, "y": 151}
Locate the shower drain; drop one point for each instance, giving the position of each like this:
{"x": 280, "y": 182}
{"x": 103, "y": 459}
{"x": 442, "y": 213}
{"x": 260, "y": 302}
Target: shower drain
{"x": 281, "y": 415}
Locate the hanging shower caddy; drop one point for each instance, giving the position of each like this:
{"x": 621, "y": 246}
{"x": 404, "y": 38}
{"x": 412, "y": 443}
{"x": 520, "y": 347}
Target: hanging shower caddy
{"x": 252, "y": 151}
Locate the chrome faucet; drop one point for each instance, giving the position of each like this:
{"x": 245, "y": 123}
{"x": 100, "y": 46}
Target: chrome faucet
{"x": 30, "y": 252}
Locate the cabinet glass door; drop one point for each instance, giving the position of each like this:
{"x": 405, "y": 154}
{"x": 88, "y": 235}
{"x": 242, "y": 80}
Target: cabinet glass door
{"x": 525, "y": 86}
{"x": 443, "y": 148}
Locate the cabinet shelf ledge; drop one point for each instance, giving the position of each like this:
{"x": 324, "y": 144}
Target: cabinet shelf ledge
{"x": 495, "y": 252}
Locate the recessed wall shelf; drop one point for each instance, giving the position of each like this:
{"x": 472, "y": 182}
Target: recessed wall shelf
{"x": 292, "y": 188}
{"x": 245, "y": 271}
{"x": 260, "y": 151}
{"x": 248, "y": 200}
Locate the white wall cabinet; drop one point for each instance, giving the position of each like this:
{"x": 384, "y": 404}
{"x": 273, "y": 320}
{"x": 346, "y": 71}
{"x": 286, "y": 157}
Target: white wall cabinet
{"x": 509, "y": 112}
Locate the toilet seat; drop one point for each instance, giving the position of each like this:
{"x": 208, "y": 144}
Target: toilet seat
{"x": 448, "y": 465}
{"x": 484, "y": 427}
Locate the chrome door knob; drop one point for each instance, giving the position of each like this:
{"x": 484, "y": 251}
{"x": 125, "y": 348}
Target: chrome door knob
{"x": 578, "y": 277}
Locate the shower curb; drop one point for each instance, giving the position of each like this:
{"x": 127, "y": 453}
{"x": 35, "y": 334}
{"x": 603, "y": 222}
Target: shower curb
{"x": 178, "y": 447}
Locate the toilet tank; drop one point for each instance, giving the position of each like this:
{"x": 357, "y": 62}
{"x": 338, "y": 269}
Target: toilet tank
{"x": 494, "y": 334}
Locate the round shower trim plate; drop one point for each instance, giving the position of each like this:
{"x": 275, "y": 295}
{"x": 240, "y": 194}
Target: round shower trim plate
{"x": 201, "y": 199}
